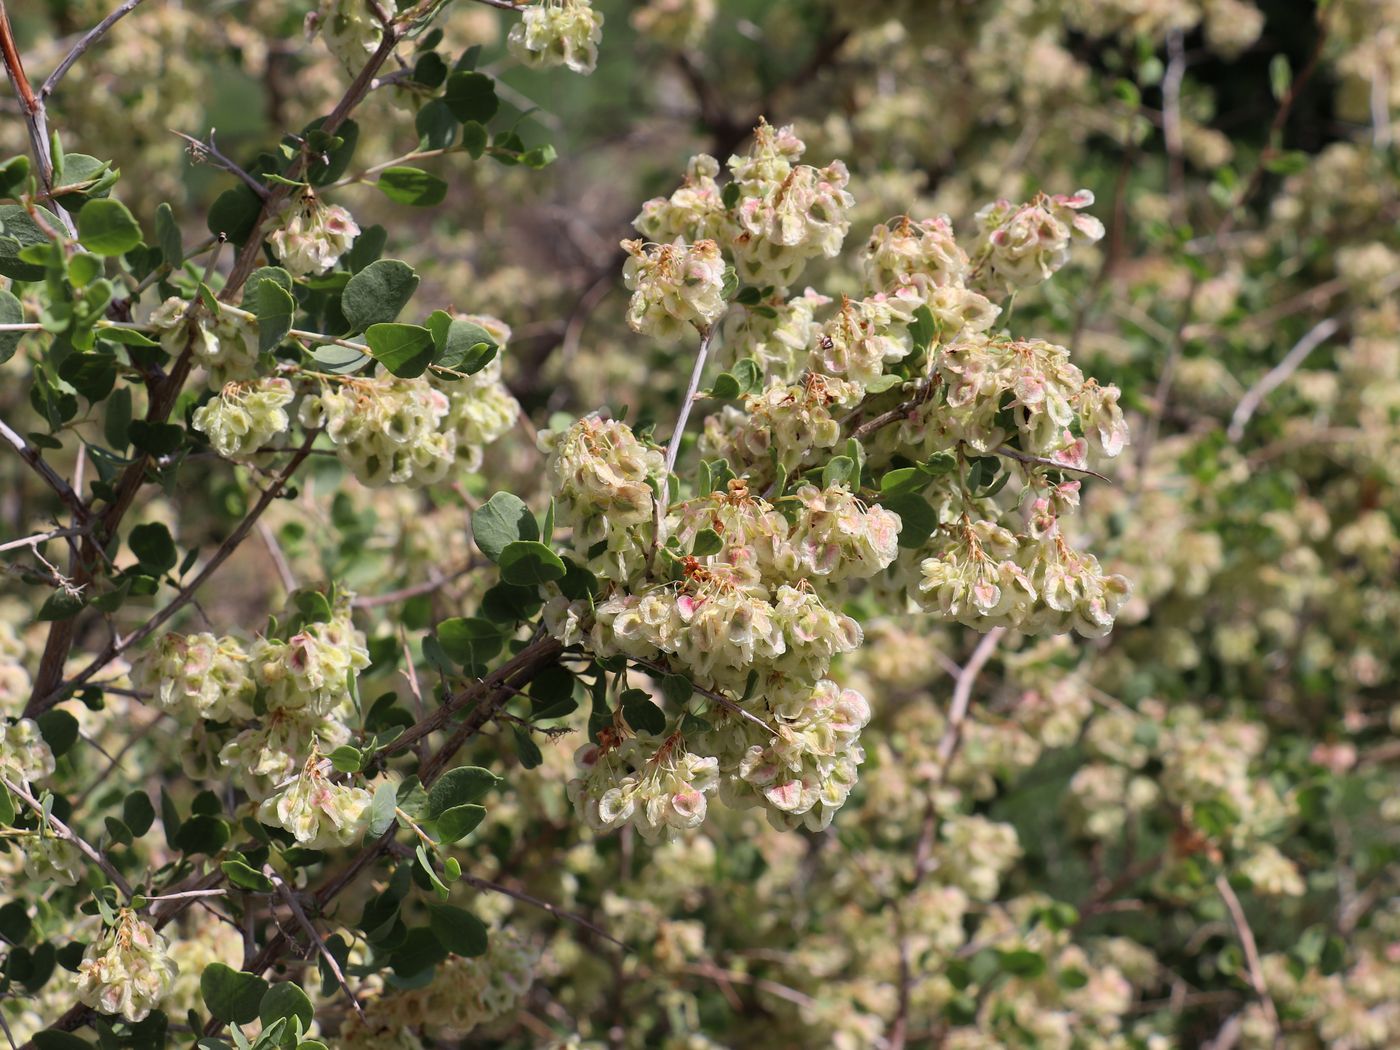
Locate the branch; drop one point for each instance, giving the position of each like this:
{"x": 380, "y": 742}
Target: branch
{"x": 923, "y": 852}
{"x": 207, "y": 150}
{"x": 1045, "y": 461}
{"x": 35, "y": 119}
{"x": 544, "y": 905}
{"x": 1251, "y": 952}
{"x": 1279, "y": 374}
{"x": 91, "y": 37}
{"x": 662, "y": 503}
{"x": 300, "y": 915}
{"x": 65, "y": 832}
{"x": 39, "y": 704}
{"x": 65, "y": 491}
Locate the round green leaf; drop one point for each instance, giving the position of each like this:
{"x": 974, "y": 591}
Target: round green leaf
{"x": 106, "y": 227}
{"x": 527, "y": 563}
{"x": 230, "y": 994}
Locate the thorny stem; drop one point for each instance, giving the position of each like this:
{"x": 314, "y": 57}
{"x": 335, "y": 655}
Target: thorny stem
{"x": 89, "y": 38}
{"x": 35, "y": 118}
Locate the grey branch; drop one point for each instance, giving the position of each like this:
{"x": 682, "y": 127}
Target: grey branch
{"x": 91, "y": 37}
{"x": 1279, "y": 374}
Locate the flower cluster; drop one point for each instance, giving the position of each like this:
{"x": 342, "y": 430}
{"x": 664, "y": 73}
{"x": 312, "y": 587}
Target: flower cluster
{"x": 244, "y": 417}
{"x": 601, "y": 477}
{"x": 226, "y": 346}
{"x": 351, "y": 31}
{"x": 653, "y": 783}
{"x": 259, "y": 710}
{"x": 309, "y": 237}
{"x": 128, "y": 971}
{"x": 463, "y": 994}
{"x": 673, "y": 285}
{"x": 1022, "y": 245}
{"x": 24, "y": 756}
{"x": 558, "y": 33}
{"x": 319, "y": 813}
{"x": 803, "y": 774}
{"x": 198, "y": 676}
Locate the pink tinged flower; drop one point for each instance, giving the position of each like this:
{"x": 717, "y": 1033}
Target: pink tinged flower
{"x": 787, "y": 797}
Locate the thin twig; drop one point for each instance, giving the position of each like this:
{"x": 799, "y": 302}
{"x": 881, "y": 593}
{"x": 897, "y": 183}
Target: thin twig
{"x": 1279, "y": 374}
{"x": 279, "y": 559}
{"x": 31, "y": 456}
{"x": 35, "y": 119}
{"x": 39, "y": 538}
{"x": 65, "y": 832}
{"x": 300, "y": 914}
{"x": 38, "y": 705}
{"x": 91, "y": 37}
{"x": 203, "y": 150}
{"x": 543, "y": 905}
{"x": 673, "y": 449}
{"x": 1251, "y": 952}
{"x": 1045, "y": 461}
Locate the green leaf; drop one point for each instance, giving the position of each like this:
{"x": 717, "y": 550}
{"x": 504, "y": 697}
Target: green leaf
{"x": 458, "y": 787}
{"x": 501, "y": 521}
{"x": 153, "y": 547}
{"x": 126, "y": 336}
{"x": 59, "y": 730}
{"x": 526, "y": 749}
{"x": 459, "y": 821}
{"x": 234, "y": 213}
{"x": 474, "y": 138}
{"x": 418, "y": 952}
{"x": 15, "y": 923}
{"x": 923, "y": 328}
{"x": 7, "y": 809}
{"x": 707, "y": 542}
{"x": 677, "y": 689}
{"x": 839, "y": 470}
{"x": 1022, "y": 962}
{"x": 270, "y": 297}
{"x": 13, "y": 172}
{"x": 52, "y": 1040}
{"x": 458, "y": 930}
{"x": 381, "y": 809}
{"x": 172, "y": 247}
{"x": 137, "y": 813}
{"x": 378, "y": 293}
{"x": 471, "y": 97}
{"x": 435, "y": 124}
{"x": 17, "y": 232}
{"x": 202, "y": 833}
{"x": 414, "y": 186}
{"x": 902, "y": 480}
{"x": 231, "y": 995}
{"x": 404, "y": 349}
{"x": 917, "y": 519}
{"x": 246, "y": 876}
{"x": 91, "y": 374}
{"x": 368, "y": 247}
{"x": 727, "y": 387}
{"x": 644, "y": 716}
{"x": 285, "y": 1001}
{"x": 528, "y": 563}
{"x": 156, "y": 439}
{"x": 11, "y": 312}
{"x": 462, "y": 345}
{"x": 346, "y": 759}
{"x": 470, "y": 641}
{"x": 107, "y": 227}
{"x": 336, "y": 151}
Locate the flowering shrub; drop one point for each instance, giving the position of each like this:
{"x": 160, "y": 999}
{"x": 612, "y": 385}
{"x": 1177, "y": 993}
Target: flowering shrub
{"x": 475, "y": 576}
